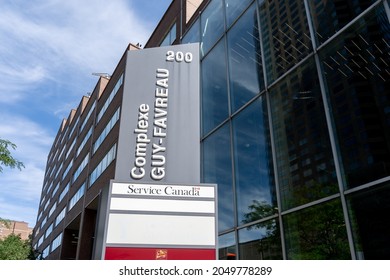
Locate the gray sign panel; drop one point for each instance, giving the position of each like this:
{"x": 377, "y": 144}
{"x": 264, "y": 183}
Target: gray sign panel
{"x": 159, "y": 127}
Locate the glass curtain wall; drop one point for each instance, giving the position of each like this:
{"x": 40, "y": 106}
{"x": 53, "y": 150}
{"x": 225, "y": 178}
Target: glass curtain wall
{"x": 295, "y": 126}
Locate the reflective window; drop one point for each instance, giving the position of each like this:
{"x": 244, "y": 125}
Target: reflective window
{"x": 286, "y": 37}
{"x": 246, "y": 72}
{"x": 212, "y": 25}
{"x": 110, "y": 98}
{"x": 74, "y": 127}
{"x": 303, "y": 152}
{"x": 106, "y": 130}
{"x": 356, "y": 69}
{"x": 256, "y": 197}
{"x": 56, "y": 242}
{"x": 91, "y": 110}
{"x": 76, "y": 197}
{"x": 48, "y": 230}
{"x": 70, "y": 148}
{"x": 81, "y": 167}
{"x": 214, "y": 88}
{"x": 260, "y": 242}
{"x": 41, "y": 240}
{"x": 63, "y": 193}
{"x": 217, "y": 168}
{"x": 227, "y": 247}
{"x": 55, "y": 190}
{"x": 60, "y": 216}
{"x": 52, "y": 209}
{"x": 329, "y": 16}
{"x": 102, "y": 166}
{"x": 45, "y": 252}
{"x": 370, "y": 211}
{"x": 170, "y": 37}
{"x": 70, "y": 164}
{"x": 85, "y": 139}
{"x": 193, "y": 34}
{"x": 234, "y": 8}
{"x": 317, "y": 233}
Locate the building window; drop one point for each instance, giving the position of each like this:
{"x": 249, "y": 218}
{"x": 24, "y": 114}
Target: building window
{"x": 370, "y": 210}
{"x": 56, "y": 242}
{"x": 285, "y": 35}
{"x": 63, "y": 193}
{"x": 87, "y": 117}
{"x": 43, "y": 223}
{"x": 103, "y": 164}
{"x": 227, "y": 246}
{"x": 70, "y": 148}
{"x": 217, "y": 168}
{"x": 76, "y": 197}
{"x": 40, "y": 240}
{"x": 67, "y": 169}
{"x": 234, "y": 8}
{"x": 48, "y": 230}
{"x": 73, "y": 129}
{"x": 302, "y": 138}
{"x": 212, "y": 25}
{"x": 245, "y": 64}
{"x": 81, "y": 167}
{"x": 317, "y": 233}
{"x": 55, "y": 189}
{"x": 254, "y": 180}
{"x": 260, "y": 241}
{"x": 193, "y": 34}
{"x": 47, "y": 204}
{"x": 170, "y": 37}
{"x": 356, "y": 72}
{"x": 110, "y": 98}
{"x": 85, "y": 140}
{"x": 52, "y": 209}
{"x": 328, "y": 16}
{"x": 45, "y": 252}
{"x": 60, "y": 217}
{"x": 106, "y": 130}
{"x": 215, "y": 102}
{"x": 58, "y": 171}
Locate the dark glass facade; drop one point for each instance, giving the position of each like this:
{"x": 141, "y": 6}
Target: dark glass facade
{"x": 296, "y": 126}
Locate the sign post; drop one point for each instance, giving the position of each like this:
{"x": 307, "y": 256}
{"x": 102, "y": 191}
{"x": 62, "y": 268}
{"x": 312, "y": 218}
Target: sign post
{"x": 159, "y": 137}
{"x": 157, "y": 208}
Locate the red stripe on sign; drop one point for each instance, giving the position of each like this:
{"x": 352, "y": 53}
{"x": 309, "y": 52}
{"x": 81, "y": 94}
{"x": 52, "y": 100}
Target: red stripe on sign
{"x": 125, "y": 253}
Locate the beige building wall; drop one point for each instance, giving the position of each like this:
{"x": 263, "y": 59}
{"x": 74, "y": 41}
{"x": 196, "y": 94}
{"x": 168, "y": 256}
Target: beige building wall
{"x": 192, "y": 5}
{"x": 16, "y": 228}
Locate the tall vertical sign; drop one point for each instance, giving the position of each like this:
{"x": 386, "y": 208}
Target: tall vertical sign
{"x": 157, "y": 208}
{"x": 159, "y": 126}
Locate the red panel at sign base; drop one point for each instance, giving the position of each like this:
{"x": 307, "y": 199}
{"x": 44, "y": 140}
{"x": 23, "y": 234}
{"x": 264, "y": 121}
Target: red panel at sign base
{"x": 125, "y": 253}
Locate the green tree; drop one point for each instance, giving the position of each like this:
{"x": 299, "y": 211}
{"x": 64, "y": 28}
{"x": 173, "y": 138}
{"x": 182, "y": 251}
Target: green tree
{"x": 5, "y": 222}
{"x": 6, "y": 159}
{"x": 13, "y": 247}
{"x": 317, "y": 232}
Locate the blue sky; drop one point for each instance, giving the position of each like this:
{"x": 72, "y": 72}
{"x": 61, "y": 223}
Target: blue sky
{"x": 48, "y": 52}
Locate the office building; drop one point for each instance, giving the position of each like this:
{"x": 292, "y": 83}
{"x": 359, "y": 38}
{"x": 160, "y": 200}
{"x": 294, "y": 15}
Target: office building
{"x": 15, "y": 227}
{"x": 295, "y": 130}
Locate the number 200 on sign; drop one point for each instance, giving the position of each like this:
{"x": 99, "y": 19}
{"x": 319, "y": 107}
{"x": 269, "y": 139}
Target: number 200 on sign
{"x": 179, "y": 56}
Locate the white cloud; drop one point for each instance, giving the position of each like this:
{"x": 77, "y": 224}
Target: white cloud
{"x": 48, "y": 50}
{"x": 61, "y": 41}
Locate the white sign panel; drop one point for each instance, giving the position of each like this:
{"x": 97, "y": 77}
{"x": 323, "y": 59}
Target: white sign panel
{"x": 164, "y": 190}
{"x": 163, "y": 215}
{"x": 161, "y": 230}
